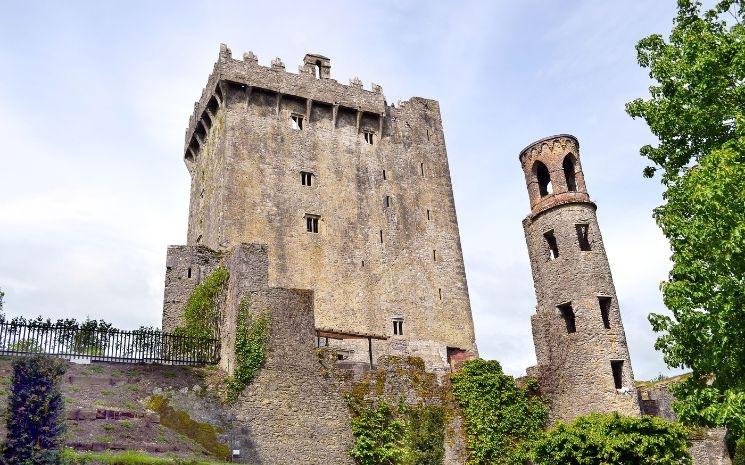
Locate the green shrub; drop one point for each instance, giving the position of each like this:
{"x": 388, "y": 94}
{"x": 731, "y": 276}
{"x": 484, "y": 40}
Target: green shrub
{"x": 378, "y": 435}
{"x": 739, "y": 458}
{"x": 424, "y": 435}
{"x": 36, "y": 413}
{"x": 200, "y": 313}
{"x": 251, "y": 337}
{"x": 499, "y": 417}
{"x": 72, "y": 457}
{"x": 599, "y": 439}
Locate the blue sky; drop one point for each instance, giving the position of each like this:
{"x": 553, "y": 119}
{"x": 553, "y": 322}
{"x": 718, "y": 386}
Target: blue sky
{"x": 95, "y": 98}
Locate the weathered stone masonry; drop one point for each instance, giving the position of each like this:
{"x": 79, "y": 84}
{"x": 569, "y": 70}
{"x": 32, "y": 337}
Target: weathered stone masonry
{"x": 387, "y": 245}
{"x": 583, "y": 360}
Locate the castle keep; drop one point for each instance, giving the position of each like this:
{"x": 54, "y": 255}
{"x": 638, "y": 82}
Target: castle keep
{"x": 583, "y": 360}
{"x": 350, "y": 196}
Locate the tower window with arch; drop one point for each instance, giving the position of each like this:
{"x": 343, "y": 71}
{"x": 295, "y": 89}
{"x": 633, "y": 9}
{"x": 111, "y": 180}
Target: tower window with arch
{"x": 543, "y": 177}
{"x": 569, "y": 175}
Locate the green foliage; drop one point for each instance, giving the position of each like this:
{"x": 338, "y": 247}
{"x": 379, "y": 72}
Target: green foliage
{"x": 72, "y": 457}
{"x": 378, "y": 435}
{"x": 425, "y": 435}
{"x": 697, "y": 110}
{"x": 600, "y": 439}
{"x": 698, "y": 96}
{"x": 36, "y": 413}
{"x": 251, "y": 337}
{"x": 500, "y": 418}
{"x": 739, "y": 458}
{"x": 200, "y": 313}
{"x": 201, "y": 433}
{"x": 407, "y": 435}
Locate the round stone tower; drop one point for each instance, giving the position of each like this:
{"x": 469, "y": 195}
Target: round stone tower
{"x": 583, "y": 360}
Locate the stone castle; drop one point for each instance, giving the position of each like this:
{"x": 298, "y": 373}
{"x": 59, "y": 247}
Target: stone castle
{"x": 333, "y": 210}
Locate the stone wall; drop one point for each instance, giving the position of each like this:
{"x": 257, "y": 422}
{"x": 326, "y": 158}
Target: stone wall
{"x": 388, "y": 244}
{"x": 575, "y": 345}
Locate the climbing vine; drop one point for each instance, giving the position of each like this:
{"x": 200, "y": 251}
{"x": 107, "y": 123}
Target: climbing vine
{"x": 500, "y": 418}
{"x": 403, "y": 435}
{"x": 200, "y": 313}
{"x": 251, "y": 337}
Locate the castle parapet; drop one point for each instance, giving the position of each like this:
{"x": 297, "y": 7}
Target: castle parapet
{"x": 313, "y": 83}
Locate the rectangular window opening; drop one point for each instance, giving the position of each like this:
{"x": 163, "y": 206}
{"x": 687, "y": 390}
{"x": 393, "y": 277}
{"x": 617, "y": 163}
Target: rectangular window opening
{"x": 421, "y": 168}
{"x": 369, "y": 136}
{"x": 381, "y": 236}
{"x": 434, "y": 254}
{"x": 384, "y": 178}
{"x": 387, "y": 201}
{"x": 311, "y": 223}
{"x": 429, "y": 215}
{"x": 398, "y": 326}
{"x": 617, "y": 367}
{"x": 567, "y": 312}
{"x": 188, "y": 273}
{"x": 306, "y": 178}
{"x": 427, "y": 134}
{"x": 605, "y": 310}
{"x": 440, "y": 292}
{"x": 297, "y": 121}
{"x": 553, "y": 247}
{"x": 583, "y": 236}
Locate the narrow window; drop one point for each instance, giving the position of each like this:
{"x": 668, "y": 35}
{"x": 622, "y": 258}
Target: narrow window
{"x": 427, "y": 134}
{"x": 387, "y": 201}
{"x": 363, "y": 263}
{"x": 384, "y": 178}
{"x": 617, "y": 367}
{"x": 553, "y": 247}
{"x": 311, "y": 223}
{"x": 381, "y": 236}
{"x": 440, "y": 292}
{"x": 569, "y": 175}
{"x": 201, "y": 194}
{"x": 583, "y": 236}
{"x": 297, "y": 122}
{"x": 567, "y": 312}
{"x": 421, "y": 168}
{"x": 605, "y": 310}
{"x": 306, "y": 178}
{"x": 188, "y": 273}
{"x": 434, "y": 255}
{"x": 199, "y": 239}
{"x": 543, "y": 177}
{"x": 429, "y": 215}
{"x": 369, "y": 136}
{"x": 398, "y": 326}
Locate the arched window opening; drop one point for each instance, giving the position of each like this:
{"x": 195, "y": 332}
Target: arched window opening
{"x": 544, "y": 179}
{"x": 568, "y": 166}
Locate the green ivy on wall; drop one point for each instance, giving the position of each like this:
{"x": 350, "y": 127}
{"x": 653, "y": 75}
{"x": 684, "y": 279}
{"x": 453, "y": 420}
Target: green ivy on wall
{"x": 200, "y": 313}
{"x": 500, "y": 418}
{"x": 403, "y": 435}
{"x": 251, "y": 338}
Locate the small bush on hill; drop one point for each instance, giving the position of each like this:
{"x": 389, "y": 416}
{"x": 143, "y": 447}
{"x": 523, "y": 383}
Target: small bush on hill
{"x": 36, "y": 413}
{"x": 600, "y": 439}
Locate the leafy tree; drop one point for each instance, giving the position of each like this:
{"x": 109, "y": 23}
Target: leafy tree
{"x": 739, "y": 453}
{"x": 697, "y": 111}
{"x": 35, "y": 418}
{"x": 600, "y": 439}
{"x": 500, "y": 418}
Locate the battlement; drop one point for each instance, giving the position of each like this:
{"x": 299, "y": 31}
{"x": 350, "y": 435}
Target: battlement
{"x": 313, "y": 83}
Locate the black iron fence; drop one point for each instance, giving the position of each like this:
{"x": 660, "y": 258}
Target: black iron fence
{"x": 110, "y": 344}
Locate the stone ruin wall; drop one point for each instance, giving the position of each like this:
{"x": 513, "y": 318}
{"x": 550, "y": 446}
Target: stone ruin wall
{"x": 245, "y": 162}
{"x": 295, "y": 409}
